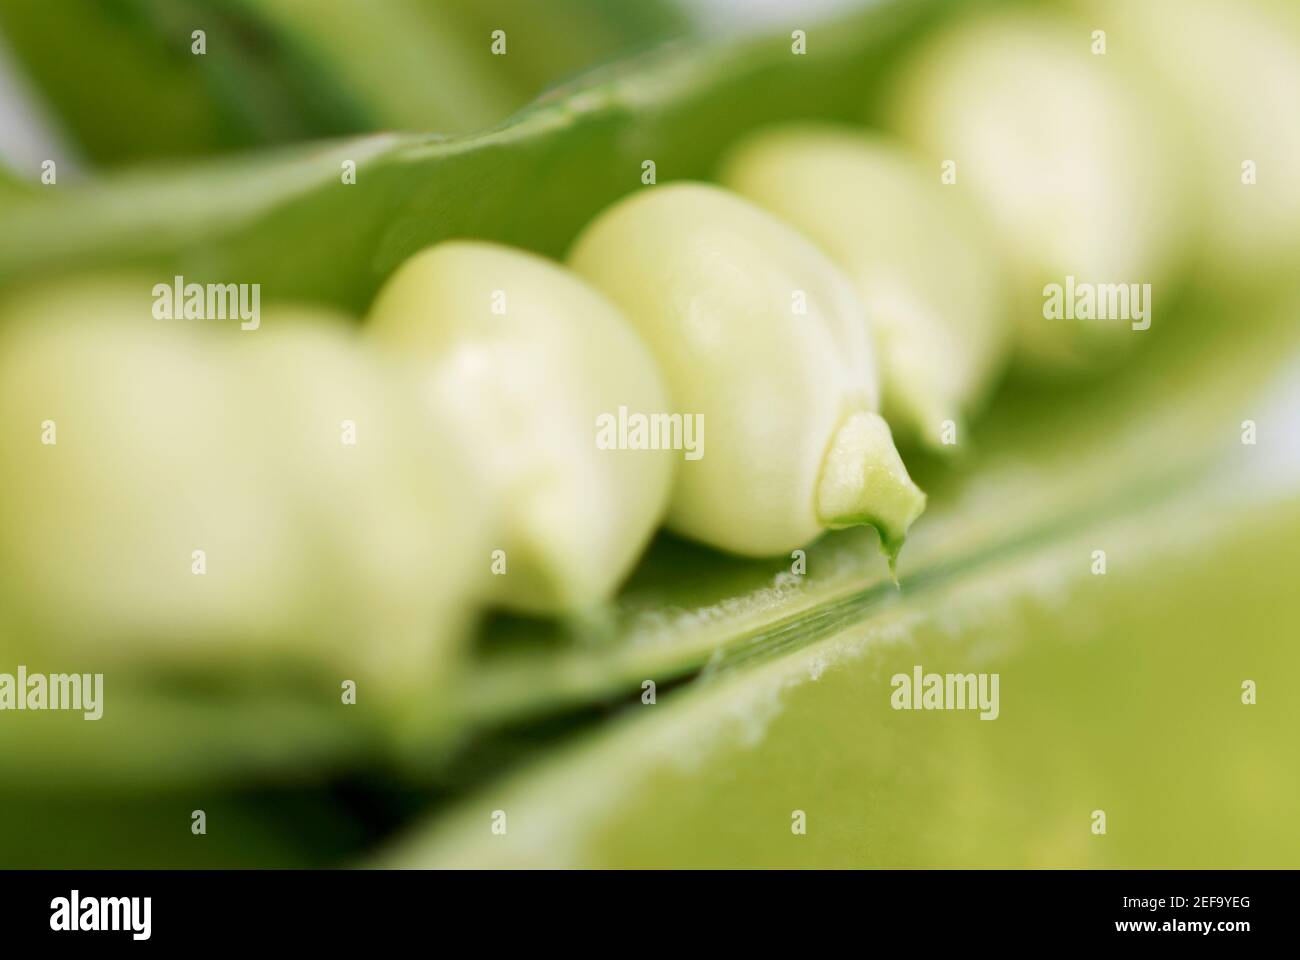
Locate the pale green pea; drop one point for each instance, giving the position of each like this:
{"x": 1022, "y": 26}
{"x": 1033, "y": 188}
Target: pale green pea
{"x": 760, "y": 333}
{"x": 913, "y": 249}
{"x": 1224, "y": 79}
{"x": 525, "y": 358}
{"x": 200, "y": 509}
{"x": 1067, "y": 167}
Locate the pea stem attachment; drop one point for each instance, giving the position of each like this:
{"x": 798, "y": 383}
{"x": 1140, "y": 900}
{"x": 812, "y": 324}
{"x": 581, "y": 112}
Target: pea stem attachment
{"x": 864, "y": 481}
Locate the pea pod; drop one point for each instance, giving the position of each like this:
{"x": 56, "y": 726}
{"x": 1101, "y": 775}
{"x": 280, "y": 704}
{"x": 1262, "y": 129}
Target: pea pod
{"x": 758, "y": 333}
{"x": 527, "y": 360}
{"x": 275, "y": 71}
{"x": 912, "y": 248}
{"x": 1015, "y": 530}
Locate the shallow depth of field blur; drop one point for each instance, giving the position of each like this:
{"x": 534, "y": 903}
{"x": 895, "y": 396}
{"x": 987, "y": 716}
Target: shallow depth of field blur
{"x": 1116, "y": 535}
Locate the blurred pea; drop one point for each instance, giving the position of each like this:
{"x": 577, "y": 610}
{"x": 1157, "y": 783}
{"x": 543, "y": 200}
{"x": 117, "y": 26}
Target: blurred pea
{"x": 1070, "y": 167}
{"x": 913, "y": 250}
{"x": 187, "y": 497}
{"x": 1226, "y": 75}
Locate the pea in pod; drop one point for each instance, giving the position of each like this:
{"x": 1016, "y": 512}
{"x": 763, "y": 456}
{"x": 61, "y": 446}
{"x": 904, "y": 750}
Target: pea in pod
{"x": 1056, "y": 147}
{"x": 526, "y": 360}
{"x": 912, "y": 247}
{"x": 1224, "y": 77}
{"x": 760, "y": 334}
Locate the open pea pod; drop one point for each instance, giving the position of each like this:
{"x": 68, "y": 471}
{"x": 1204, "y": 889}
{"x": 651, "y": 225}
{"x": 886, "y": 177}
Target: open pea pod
{"x": 788, "y": 677}
{"x": 1148, "y": 468}
{"x": 290, "y": 222}
{"x": 1143, "y": 463}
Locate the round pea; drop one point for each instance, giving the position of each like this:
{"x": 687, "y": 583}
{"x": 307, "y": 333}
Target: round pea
{"x": 761, "y": 335}
{"x": 1073, "y": 177}
{"x": 1223, "y": 76}
{"x": 527, "y": 361}
{"x": 911, "y": 246}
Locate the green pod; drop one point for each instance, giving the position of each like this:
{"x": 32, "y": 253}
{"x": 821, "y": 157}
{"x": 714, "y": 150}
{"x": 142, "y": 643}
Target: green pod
{"x": 410, "y": 64}
{"x": 528, "y": 362}
{"x": 280, "y": 71}
{"x": 913, "y": 249}
{"x": 760, "y": 334}
{"x": 1069, "y": 170}
{"x": 223, "y": 503}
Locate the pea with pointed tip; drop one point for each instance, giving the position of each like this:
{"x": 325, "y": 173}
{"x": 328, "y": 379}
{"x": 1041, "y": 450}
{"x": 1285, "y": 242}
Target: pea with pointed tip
{"x": 757, "y": 331}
